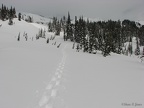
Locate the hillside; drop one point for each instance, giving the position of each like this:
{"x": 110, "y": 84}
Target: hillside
{"x": 34, "y": 74}
{"x": 36, "y": 18}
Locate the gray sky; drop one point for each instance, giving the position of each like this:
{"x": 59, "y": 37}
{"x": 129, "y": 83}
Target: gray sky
{"x": 103, "y": 9}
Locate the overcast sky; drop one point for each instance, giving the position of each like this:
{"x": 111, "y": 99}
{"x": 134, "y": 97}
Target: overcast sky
{"x": 103, "y": 9}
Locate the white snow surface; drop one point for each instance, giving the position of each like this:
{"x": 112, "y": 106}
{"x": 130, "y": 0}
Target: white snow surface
{"x": 141, "y": 22}
{"x": 36, "y": 18}
{"x": 34, "y": 74}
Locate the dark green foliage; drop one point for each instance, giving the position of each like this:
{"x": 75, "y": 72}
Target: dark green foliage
{"x": 57, "y": 28}
{"x": 64, "y": 36}
{"x": 50, "y": 27}
{"x": 41, "y": 34}
{"x": 69, "y": 29}
{"x": 107, "y": 36}
{"x": 19, "y": 16}
{"x": 56, "y": 25}
{"x": 137, "y": 50}
{"x": 141, "y": 35}
{"x": 6, "y": 13}
{"x": 130, "y": 48}
{"x": 143, "y": 51}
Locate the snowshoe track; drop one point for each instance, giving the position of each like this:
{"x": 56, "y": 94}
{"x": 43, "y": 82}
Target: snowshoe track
{"x": 51, "y": 97}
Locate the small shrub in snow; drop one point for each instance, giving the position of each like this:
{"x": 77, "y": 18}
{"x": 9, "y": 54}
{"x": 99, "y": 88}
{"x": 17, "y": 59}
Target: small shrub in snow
{"x": 10, "y": 21}
{"x": 55, "y": 43}
{"x": 47, "y": 41}
{"x": 73, "y": 46}
{"x": 58, "y": 45}
{"x": 41, "y": 34}
{"x": 18, "y": 39}
{"x": 26, "y": 37}
{"x": 77, "y": 48}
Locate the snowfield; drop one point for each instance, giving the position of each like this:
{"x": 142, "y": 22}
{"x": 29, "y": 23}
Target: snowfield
{"x": 34, "y": 74}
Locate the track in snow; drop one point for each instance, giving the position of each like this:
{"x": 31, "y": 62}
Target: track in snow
{"x": 51, "y": 97}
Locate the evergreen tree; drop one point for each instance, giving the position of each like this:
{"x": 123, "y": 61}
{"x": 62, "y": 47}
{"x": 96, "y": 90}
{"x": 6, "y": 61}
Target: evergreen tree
{"x": 82, "y": 33}
{"x": 130, "y": 47}
{"x": 11, "y": 13}
{"x": 64, "y": 35}
{"x": 106, "y": 45}
{"x": 58, "y": 28}
{"x": 69, "y": 34}
{"x": 2, "y": 13}
{"x": 76, "y": 31}
{"x": 14, "y": 12}
{"x": 86, "y": 46}
{"x": 141, "y": 35}
{"x": 19, "y": 16}
{"x": 143, "y": 51}
{"x": 50, "y": 27}
{"x": 137, "y": 50}
{"x": 91, "y": 38}
{"x": 6, "y": 13}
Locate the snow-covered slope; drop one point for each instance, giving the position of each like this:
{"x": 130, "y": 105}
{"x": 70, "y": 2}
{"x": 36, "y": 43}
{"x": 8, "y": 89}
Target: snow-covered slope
{"x": 36, "y": 18}
{"x": 141, "y": 22}
{"x": 25, "y": 66}
{"x": 34, "y": 74}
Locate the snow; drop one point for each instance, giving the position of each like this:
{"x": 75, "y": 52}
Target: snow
{"x": 98, "y": 85}
{"x": 34, "y": 74}
{"x": 36, "y": 18}
{"x": 141, "y": 22}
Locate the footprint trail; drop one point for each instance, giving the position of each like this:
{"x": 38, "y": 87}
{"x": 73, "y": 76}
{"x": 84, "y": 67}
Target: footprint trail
{"x": 51, "y": 97}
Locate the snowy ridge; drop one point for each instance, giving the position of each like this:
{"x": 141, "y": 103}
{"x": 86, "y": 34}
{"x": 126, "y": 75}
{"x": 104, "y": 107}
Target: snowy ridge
{"x": 36, "y": 18}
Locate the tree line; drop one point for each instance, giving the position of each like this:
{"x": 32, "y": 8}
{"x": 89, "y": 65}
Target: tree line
{"x": 10, "y": 13}
{"x": 6, "y": 13}
{"x": 106, "y": 36}
{"x": 90, "y": 36}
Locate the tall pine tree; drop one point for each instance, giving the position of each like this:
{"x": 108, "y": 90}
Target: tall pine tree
{"x": 69, "y": 34}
